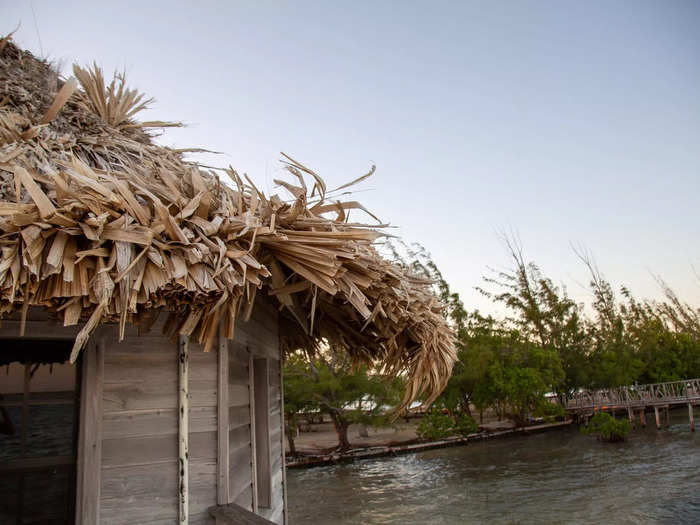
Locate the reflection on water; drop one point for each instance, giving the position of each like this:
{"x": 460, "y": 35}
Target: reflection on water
{"x": 556, "y": 477}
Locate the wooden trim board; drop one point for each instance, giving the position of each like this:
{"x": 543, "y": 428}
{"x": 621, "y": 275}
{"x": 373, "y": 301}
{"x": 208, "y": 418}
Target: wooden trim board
{"x": 261, "y": 385}
{"x": 223, "y": 480}
{"x": 183, "y": 429}
{"x": 253, "y": 450}
{"x": 87, "y": 507}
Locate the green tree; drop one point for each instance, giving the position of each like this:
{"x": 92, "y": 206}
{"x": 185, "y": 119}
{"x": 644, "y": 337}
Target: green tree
{"x": 513, "y": 363}
{"x": 435, "y": 425}
{"x": 639, "y": 341}
{"x": 347, "y": 393}
{"x": 298, "y": 396}
{"x": 527, "y": 376}
{"x": 542, "y": 313}
{"x": 519, "y": 377}
{"x": 475, "y": 344}
{"x": 547, "y": 343}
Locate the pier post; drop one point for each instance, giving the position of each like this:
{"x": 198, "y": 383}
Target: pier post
{"x": 642, "y": 417}
{"x": 656, "y": 414}
{"x": 691, "y": 417}
{"x": 630, "y": 416}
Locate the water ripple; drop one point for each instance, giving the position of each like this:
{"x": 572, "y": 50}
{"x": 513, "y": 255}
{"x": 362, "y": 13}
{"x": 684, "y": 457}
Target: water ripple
{"x": 558, "y": 477}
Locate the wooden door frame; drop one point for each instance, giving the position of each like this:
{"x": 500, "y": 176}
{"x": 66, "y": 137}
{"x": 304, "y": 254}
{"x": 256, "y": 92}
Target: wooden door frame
{"x": 89, "y": 456}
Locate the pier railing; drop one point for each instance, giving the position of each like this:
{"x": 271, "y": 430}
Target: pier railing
{"x": 636, "y": 396}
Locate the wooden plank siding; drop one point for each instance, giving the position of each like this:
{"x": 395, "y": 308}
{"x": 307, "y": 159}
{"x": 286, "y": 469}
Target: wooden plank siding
{"x": 140, "y": 424}
{"x": 140, "y": 436}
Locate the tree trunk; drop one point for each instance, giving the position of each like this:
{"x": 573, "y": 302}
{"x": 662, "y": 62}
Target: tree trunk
{"x": 290, "y": 440}
{"x": 562, "y": 399}
{"x": 466, "y": 405}
{"x": 341, "y": 428}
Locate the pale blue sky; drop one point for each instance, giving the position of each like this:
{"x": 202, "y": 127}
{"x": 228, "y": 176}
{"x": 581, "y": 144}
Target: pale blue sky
{"x": 566, "y": 121}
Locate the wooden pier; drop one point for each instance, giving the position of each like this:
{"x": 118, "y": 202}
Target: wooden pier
{"x": 638, "y": 398}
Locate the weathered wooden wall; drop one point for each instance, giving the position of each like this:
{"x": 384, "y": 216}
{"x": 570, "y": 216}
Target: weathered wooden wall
{"x": 140, "y": 425}
{"x": 139, "y": 448}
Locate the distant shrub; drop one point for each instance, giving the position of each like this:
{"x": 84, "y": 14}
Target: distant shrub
{"x": 435, "y": 425}
{"x": 551, "y": 412}
{"x": 607, "y": 428}
{"x": 464, "y": 425}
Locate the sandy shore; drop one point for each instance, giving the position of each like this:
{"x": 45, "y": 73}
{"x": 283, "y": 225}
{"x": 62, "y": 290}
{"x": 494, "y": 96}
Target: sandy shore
{"x": 319, "y": 438}
{"x": 393, "y": 448}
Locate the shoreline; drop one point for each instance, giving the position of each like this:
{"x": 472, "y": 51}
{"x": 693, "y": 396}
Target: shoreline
{"x": 386, "y": 450}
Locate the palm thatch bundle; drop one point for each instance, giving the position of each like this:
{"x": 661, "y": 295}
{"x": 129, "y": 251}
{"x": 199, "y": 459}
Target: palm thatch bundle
{"x": 100, "y": 224}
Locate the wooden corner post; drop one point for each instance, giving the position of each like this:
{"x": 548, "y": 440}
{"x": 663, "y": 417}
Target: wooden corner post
{"x": 282, "y": 435}
{"x": 261, "y": 386}
{"x": 183, "y": 429}
{"x": 89, "y": 464}
{"x": 222, "y": 464}
{"x": 253, "y": 433}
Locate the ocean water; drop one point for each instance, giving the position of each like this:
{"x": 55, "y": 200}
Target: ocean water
{"x": 556, "y": 477}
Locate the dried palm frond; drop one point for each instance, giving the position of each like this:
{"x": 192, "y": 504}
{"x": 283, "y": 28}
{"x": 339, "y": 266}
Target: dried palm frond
{"x": 12, "y": 126}
{"x": 100, "y": 224}
{"x": 115, "y": 104}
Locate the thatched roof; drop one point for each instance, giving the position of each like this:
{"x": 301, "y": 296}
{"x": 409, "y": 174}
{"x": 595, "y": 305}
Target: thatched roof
{"x": 100, "y": 224}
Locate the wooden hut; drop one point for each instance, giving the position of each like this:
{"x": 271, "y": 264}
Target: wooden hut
{"x": 147, "y": 306}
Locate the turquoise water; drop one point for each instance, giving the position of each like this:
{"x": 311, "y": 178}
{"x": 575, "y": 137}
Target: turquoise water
{"x": 550, "y": 478}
